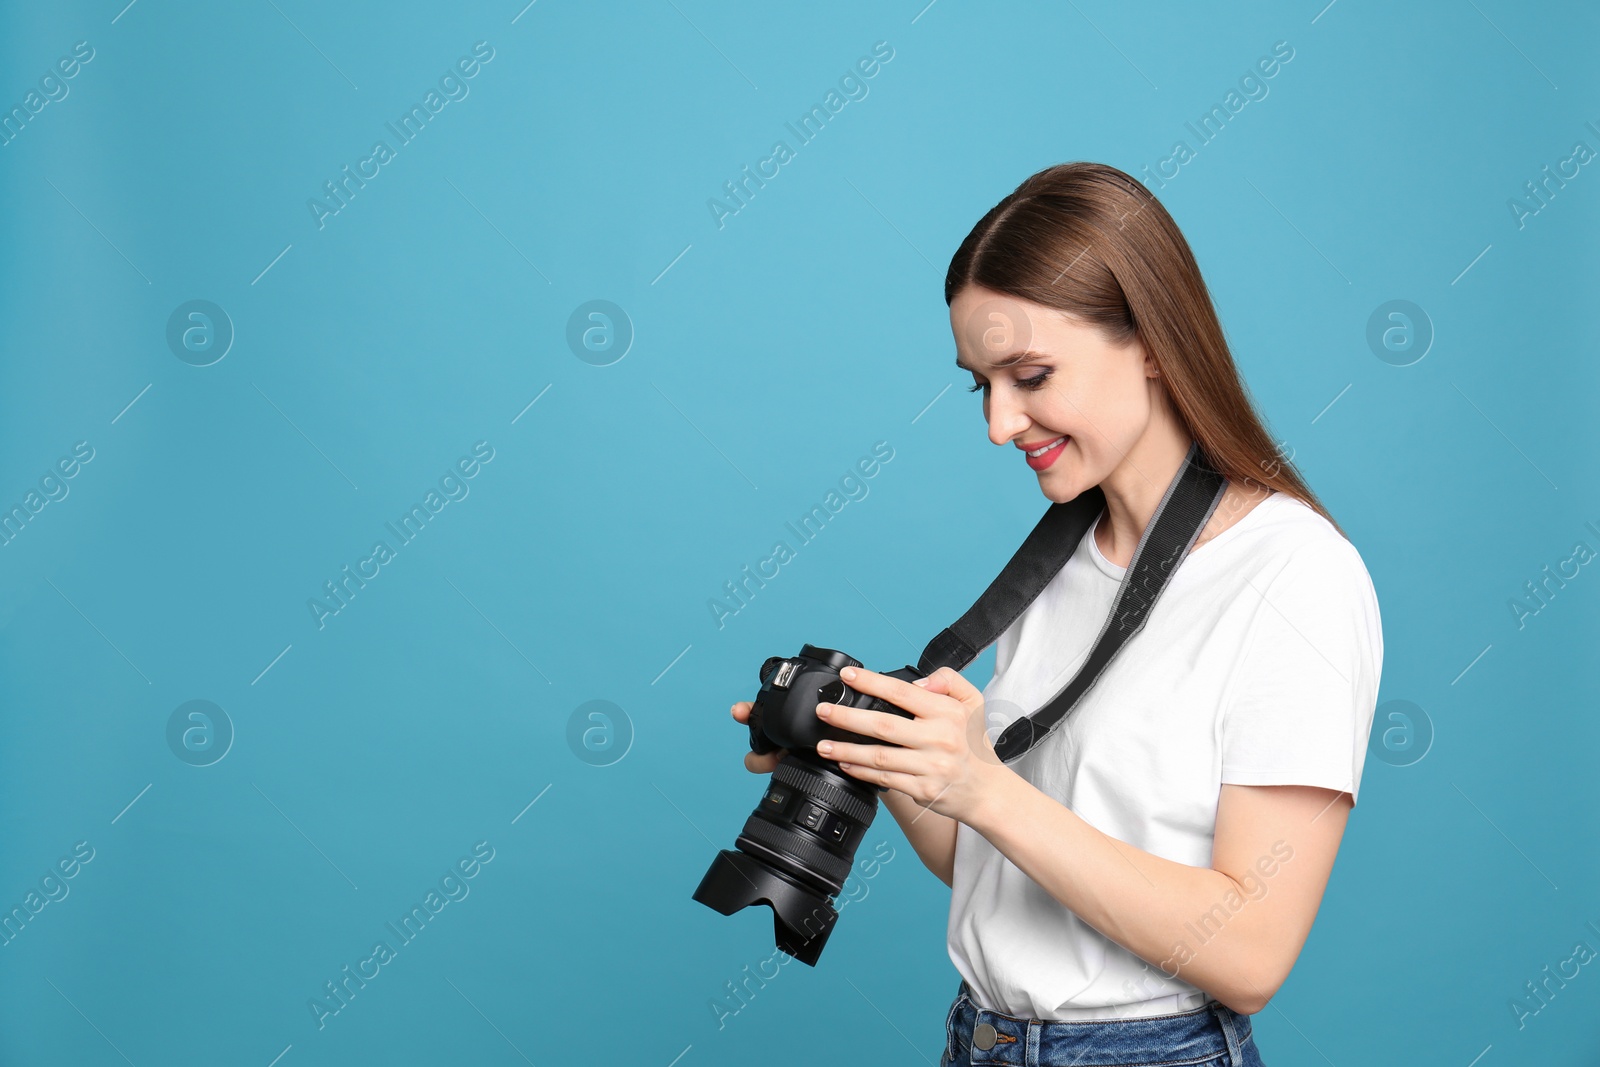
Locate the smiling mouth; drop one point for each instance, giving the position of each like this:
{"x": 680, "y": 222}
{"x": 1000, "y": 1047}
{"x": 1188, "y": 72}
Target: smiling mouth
{"x": 1047, "y": 446}
{"x": 1042, "y": 458}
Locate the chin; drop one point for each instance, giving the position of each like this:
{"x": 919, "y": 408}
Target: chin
{"x": 1059, "y": 491}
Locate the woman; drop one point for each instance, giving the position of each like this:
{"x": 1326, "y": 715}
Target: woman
{"x": 1139, "y": 883}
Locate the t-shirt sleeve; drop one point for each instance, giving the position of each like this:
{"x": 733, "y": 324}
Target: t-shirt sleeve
{"x": 1300, "y": 710}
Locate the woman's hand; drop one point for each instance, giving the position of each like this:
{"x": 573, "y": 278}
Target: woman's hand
{"x": 756, "y": 764}
{"x": 947, "y": 762}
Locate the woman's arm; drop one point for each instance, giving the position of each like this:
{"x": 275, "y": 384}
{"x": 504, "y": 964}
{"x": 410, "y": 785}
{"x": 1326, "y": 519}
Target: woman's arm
{"x": 1233, "y": 929}
{"x": 931, "y": 834}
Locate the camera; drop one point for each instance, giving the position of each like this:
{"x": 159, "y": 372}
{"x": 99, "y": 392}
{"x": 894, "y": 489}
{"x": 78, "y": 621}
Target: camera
{"x": 796, "y": 848}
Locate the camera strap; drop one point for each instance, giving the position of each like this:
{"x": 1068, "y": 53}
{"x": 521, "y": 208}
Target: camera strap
{"x": 1183, "y": 512}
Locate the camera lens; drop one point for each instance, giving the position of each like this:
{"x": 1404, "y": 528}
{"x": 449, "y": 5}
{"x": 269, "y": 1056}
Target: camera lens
{"x": 795, "y": 852}
{"x": 809, "y": 822}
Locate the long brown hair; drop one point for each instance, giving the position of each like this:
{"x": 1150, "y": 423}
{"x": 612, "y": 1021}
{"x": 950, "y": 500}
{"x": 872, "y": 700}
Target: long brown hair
{"x": 1091, "y": 241}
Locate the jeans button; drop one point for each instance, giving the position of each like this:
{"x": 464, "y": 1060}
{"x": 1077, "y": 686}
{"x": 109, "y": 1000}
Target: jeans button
{"x": 983, "y": 1036}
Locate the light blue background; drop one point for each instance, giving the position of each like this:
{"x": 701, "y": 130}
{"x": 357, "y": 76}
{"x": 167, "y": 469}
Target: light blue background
{"x": 772, "y": 354}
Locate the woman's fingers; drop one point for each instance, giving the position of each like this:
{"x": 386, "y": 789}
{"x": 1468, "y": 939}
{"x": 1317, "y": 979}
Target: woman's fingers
{"x": 754, "y": 763}
{"x": 762, "y": 764}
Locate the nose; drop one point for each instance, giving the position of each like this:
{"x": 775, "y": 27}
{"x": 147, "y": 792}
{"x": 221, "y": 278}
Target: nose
{"x": 1006, "y": 417}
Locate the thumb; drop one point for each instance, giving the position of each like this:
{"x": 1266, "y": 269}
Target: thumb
{"x": 951, "y": 682}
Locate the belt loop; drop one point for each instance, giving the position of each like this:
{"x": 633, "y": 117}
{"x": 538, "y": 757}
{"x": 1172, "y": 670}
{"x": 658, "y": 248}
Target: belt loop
{"x": 1225, "y": 1017}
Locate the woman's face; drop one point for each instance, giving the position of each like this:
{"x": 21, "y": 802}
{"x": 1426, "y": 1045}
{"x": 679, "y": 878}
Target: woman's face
{"x": 1069, "y": 383}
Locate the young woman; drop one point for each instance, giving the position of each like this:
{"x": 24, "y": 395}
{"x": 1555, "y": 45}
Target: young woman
{"x": 1139, "y": 883}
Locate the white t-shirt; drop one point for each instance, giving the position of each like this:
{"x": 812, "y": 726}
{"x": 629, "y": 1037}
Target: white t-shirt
{"x": 1258, "y": 665}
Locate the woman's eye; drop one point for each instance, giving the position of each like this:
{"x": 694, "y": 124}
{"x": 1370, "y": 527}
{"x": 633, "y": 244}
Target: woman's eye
{"x": 1022, "y": 383}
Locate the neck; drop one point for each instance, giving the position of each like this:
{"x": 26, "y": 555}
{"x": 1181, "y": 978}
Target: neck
{"x": 1135, "y": 488}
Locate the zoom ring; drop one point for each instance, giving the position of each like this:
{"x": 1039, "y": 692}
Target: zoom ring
{"x": 825, "y": 792}
{"x": 792, "y": 845}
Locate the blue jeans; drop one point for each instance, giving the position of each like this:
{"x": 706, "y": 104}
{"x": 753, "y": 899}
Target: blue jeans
{"x": 1213, "y": 1036}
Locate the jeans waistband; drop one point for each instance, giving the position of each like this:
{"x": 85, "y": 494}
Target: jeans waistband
{"x": 1191, "y": 1037}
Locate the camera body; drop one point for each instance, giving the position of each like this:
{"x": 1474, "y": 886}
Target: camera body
{"x": 785, "y": 711}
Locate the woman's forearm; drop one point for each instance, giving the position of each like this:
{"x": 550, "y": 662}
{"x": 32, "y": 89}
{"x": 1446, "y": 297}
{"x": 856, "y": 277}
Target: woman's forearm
{"x": 1143, "y": 902}
{"x": 1220, "y": 928}
{"x": 932, "y": 835}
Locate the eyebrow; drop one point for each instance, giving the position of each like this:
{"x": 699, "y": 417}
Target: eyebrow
{"x": 1005, "y": 361}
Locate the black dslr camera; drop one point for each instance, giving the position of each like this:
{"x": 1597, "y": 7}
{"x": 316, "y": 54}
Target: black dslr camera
{"x": 796, "y": 848}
